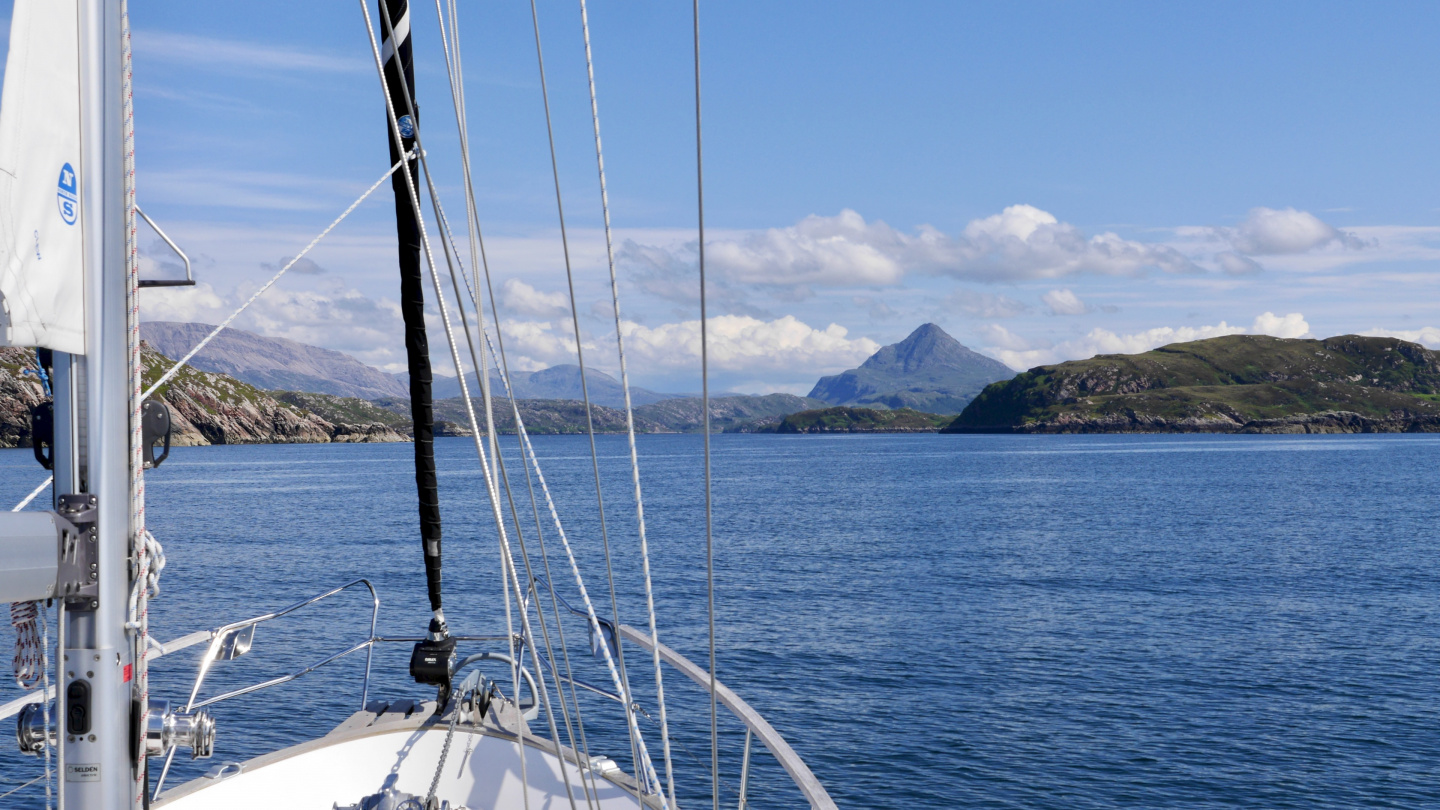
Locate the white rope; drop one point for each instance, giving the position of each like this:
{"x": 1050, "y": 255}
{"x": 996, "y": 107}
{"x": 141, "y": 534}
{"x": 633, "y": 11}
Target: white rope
{"x": 139, "y": 608}
{"x": 629, "y": 409}
{"x": 28, "y": 498}
{"x": 267, "y": 285}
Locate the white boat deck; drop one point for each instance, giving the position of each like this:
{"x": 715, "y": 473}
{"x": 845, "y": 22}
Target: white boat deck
{"x": 399, "y": 745}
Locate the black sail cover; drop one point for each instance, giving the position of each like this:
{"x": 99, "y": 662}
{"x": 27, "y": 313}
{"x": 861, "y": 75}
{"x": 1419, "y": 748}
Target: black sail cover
{"x": 400, "y": 75}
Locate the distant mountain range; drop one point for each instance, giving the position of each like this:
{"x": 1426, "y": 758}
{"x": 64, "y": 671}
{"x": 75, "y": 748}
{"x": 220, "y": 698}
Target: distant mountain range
{"x": 272, "y": 363}
{"x": 556, "y": 382}
{"x": 928, "y": 371}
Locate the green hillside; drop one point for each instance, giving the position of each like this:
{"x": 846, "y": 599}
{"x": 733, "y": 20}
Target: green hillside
{"x": 1241, "y": 383}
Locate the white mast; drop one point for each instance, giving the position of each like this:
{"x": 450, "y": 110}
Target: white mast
{"x": 92, "y": 442}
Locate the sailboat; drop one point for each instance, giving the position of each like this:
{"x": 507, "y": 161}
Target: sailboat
{"x": 70, "y": 288}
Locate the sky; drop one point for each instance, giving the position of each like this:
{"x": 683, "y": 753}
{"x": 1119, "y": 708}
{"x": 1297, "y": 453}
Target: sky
{"x": 1046, "y": 181}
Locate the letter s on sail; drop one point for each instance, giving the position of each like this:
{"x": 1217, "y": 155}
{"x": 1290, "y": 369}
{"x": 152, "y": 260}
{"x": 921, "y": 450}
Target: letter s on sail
{"x": 66, "y": 196}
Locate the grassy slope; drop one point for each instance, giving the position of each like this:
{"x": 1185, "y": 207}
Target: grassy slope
{"x": 1222, "y": 383}
{"x": 861, "y": 420}
{"x": 344, "y": 410}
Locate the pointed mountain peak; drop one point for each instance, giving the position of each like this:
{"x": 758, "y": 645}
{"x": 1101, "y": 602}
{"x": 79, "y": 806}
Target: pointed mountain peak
{"x": 929, "y": 346}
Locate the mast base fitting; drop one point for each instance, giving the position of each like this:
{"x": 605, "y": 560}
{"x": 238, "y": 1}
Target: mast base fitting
{"x": 166, "y": 729}
{"x": 430, "y": 663}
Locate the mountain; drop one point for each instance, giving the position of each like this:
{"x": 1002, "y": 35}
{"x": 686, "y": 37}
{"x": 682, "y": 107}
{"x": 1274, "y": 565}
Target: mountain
{"x": 272, "y": 363}
{"x": 1236, "y": 384}
{"x": 205, "y": 408}
{"x": 927, "y": 371}
{"x": 556, "y": 382}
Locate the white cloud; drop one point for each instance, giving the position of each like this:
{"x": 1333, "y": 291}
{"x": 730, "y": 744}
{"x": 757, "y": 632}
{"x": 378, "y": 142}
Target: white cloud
{"x": 335, "y": 317}
{"x": 985, "y": 305}
{"x": 237, "y": 56}
{"x": 1277, "y": 232}
{"x": 1064, "y": 302}
{"x": 835, "y": 251}
{"x": 997, "y": 337}
{"x": 1020, "y": 242}
{"x": 1236, "y": 265}
{"x": 1290, "y": 326}
{"x": 526, "y": 300}
{"x": 742, "y": 343}
{"x": 1427, "y": 335}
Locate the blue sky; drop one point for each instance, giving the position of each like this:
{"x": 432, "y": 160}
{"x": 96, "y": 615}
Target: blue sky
{"x": 1044, "y": 180}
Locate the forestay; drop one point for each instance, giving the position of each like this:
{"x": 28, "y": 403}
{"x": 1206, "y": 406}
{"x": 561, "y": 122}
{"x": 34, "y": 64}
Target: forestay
{"x": 41, "y": 299}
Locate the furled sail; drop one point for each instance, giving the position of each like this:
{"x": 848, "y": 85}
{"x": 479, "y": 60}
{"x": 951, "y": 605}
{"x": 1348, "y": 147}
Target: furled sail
{"x": 41, "y": 296}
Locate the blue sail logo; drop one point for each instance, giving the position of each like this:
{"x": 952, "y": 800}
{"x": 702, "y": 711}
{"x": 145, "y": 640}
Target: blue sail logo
{"x": 69, "y": 201}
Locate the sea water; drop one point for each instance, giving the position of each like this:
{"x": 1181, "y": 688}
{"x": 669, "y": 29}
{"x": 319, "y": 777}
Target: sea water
{"x": 930, "y": 621}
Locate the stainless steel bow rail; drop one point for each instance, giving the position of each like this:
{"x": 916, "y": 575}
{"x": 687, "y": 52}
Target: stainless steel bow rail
{"x": 755, "y": 725}
{"x": 235, "y": 639}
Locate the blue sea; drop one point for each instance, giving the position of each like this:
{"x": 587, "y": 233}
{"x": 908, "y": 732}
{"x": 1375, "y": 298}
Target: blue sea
{"x": 930, "y": 621}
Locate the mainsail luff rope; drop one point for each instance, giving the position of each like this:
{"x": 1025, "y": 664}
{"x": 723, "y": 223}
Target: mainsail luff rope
{"x": 629, "y": 408}
{"x": 139, "y": 621}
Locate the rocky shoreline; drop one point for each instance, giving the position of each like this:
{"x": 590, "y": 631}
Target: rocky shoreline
{"x": 205, "y": 408}
{"x": 1333, "y": 422}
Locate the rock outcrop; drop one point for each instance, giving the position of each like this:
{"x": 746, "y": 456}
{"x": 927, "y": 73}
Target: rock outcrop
{"x": 205, "y": 408}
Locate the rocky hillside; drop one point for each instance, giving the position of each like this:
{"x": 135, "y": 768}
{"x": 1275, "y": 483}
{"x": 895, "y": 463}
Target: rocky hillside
{"x": 728, "y": 412}
{"x": 927, "y": 371}
{"x": 861, "y": 420}
{"x": 1241, "y": 383}
{"x": 272, "y": 363}
{"x": 206, "y": 408}
{"x": 18, "y": 391}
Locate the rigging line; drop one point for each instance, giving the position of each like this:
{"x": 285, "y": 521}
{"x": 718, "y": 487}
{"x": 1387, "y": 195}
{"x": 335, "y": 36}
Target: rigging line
{"x": 451, "y": 257}
{"x": 529, "y": 452}
{"x": 455, "y": 357}
{"x": 629, "y": 409}
{"x": 705, "y": 403}
{"x": 21, "y": 787}
{"x": 524, "y": 435}
{"x": 28, "y": 498}
{"x": 580, "y": 356}
{"x": 182, "y": 362}
{"x": 472, "y": 221}
{"x": 504, "y": 477}
{"x": 478, "y": 246}
{"x": 493, "y": 490}
{"x": 503, "y": 364}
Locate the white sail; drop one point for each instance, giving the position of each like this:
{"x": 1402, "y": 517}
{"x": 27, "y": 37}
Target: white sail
{"x": 41, "y": 295}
